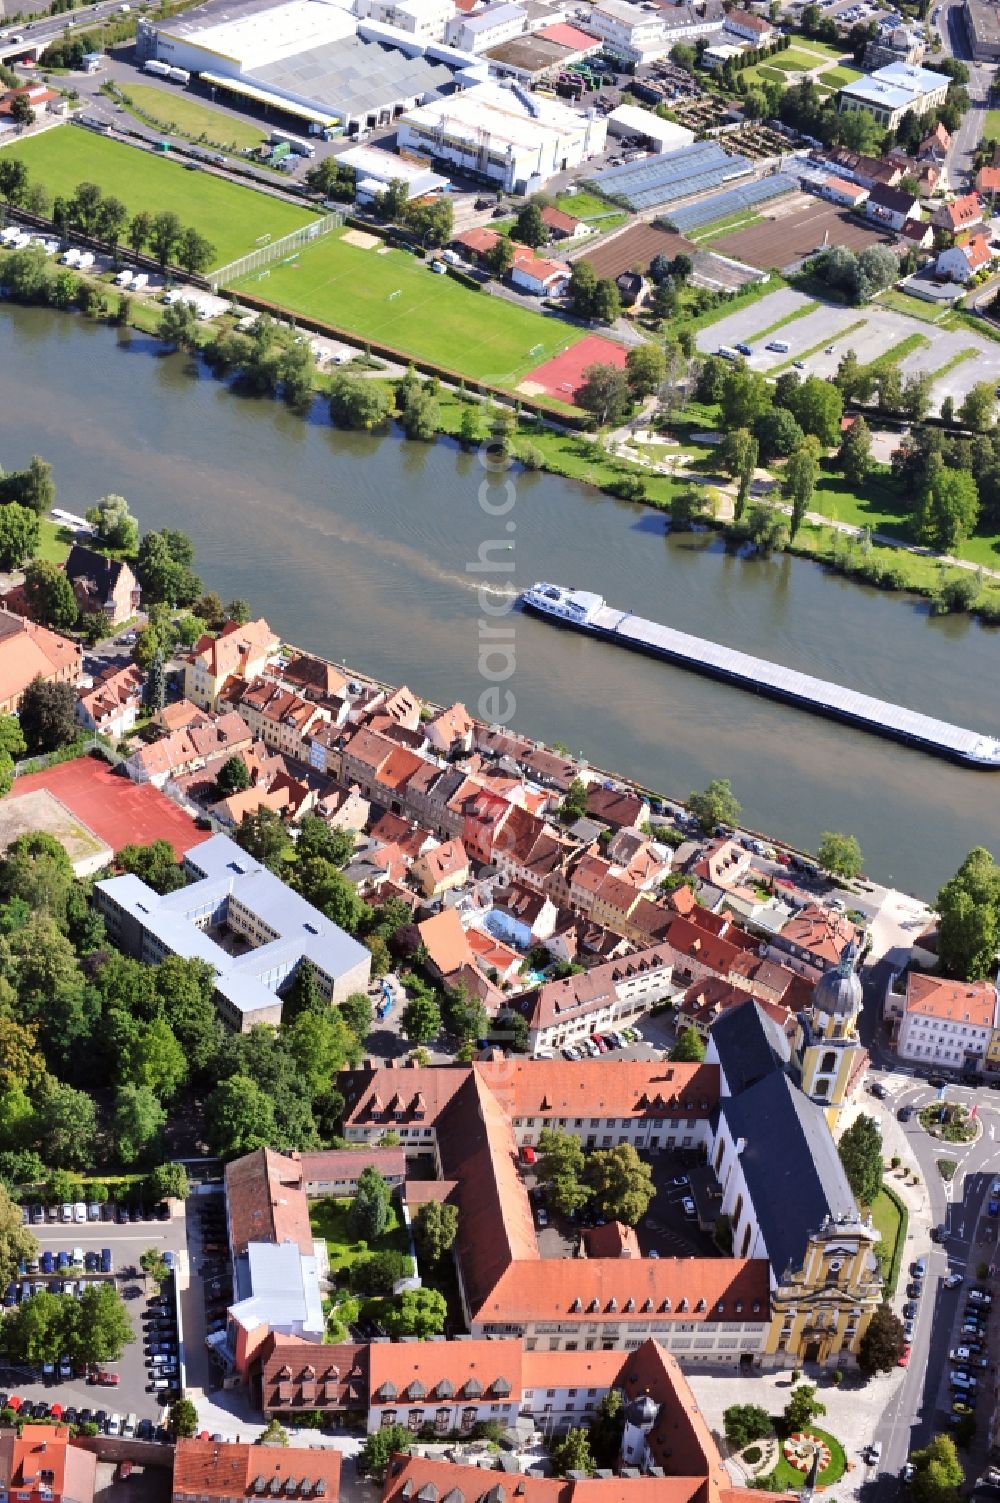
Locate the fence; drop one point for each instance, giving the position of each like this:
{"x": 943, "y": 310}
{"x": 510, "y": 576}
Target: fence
{"x": 276, "y": 250}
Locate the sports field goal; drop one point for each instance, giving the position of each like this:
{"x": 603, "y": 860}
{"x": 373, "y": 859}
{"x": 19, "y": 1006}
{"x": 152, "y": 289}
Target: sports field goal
{"x": 276, "y": 250}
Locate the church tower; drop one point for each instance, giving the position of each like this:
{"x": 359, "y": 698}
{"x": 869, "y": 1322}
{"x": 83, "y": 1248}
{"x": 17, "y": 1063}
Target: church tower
{"x": 830, "y": 1054}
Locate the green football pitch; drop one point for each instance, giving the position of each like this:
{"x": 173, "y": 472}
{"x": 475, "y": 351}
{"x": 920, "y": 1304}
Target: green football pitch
{"x": 233, "y": 218}
{"x": 395, "y": 299}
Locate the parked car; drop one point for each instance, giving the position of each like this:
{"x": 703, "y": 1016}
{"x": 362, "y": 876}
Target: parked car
{"x": 689, "y": 1208}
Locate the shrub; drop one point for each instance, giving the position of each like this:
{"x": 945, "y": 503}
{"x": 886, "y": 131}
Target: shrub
{"x": 752, "y": 1455}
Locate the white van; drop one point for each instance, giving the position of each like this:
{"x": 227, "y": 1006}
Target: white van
{"x": 115, "y": 1425}
{"x": 128, "y": 1429}
{"x": 123, "y": 278}
{"x": 778, "y": 346}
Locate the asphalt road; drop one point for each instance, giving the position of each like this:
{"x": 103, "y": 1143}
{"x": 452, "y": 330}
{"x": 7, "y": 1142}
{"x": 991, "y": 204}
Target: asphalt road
{"x": 951, "y": 27}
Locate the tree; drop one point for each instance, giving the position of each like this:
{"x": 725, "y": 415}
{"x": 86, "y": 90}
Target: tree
{"x": 938, "y": 1475}
{"x": 778, "y": 433}
{"x": 274, "y": 1433}
{"x": 645, "y": 369}
{"x": 16, "y": 1240}
{"x": 421, "y": 1020}
{"x": 380, "y": 1447}
{"x": 164, "y": 567}
{"x": 263, "y": 836}
{"x": 840, "y": 855}
{"x": 358, "y": 1013}
{"x": 621, "y": 1184}
{"x": 859, "y": 132}
{"x": 179, "y": 325}
{"x": 606, "y": 1429}
{"x": 734, "y": 451}
{"x": 560, "y": 1165}
{"x": 883, "y": 1342}
{"x": 369, "y": 1210}
{"x": 19, "y": 535}
{"x": 182, "y": 1421}
{"x": 574, "y": 804}
{"x": 154, "y": 1265}
{"x": 13, "y": 180}
{"x": 137, "y": 1121}
{"x": 855, "y": 453}
{"x": 747, "y": 474}
{"x": 949, "y": 507}
{"x": 334, "y": 179}
{"x": 232, "y": 777}
{"x": 420, "y": 417}
{"x": 435, "y": 1228}
{"x": 745, "y": 1423}
{"x": 115, "y": 524}
{"x": 500, "y": 257}
{"x": 48, "y": 715}
{"x": 581, "y": 289}
{"x": 194, "y": 252}
{"x": 166, "y": 1182}
{"x": 689, "y": 1048}
{"x": 803, "y": 1407}
{"x": 164, "y": 233}
{"x": 139, "y": 230}
{"x": 417, "y": 1312}
{"x": 154, "y": 1058}
{"x": 860, "y": 1151}
{"x": 66, "y": 1126}
{"x": 605, "y": 394}
{"x": 112, "y": 220}
{"x": 50, "y": 595}
{"x": 607, "y": 303}
{"x": 715, "y": 805}
{"x": 818, "y": 408}
{"x": 104, "y": 1327}
{"x": 238, "y": 611}
{"x": 799, "y": 483}
{"x": 239, "y": 1117}
{"x": 529, "y": 227}
{"x": 37, "y": 1330}
{"x": 744, "y": 398}
{"x": 356, "y": 403}
{"x": 571, "y": 1453}
{"x": 155, "y": 864}
{"x": 979, "y": 407}
{"x": 969, "y": 923}
{"x": 378, "y": 1273}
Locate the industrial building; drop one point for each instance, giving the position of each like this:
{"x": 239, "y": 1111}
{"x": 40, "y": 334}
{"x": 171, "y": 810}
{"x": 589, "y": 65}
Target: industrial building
{"x": 982, "y": 22}
{"x": 374, "y": 169}
{"x": 308, "y": 62}
{"x": 505, "y": 136}
{"x": 894, "y": 91}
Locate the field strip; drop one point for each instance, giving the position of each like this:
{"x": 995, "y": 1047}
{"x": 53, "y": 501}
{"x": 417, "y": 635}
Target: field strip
{"x": 779, "y": 323}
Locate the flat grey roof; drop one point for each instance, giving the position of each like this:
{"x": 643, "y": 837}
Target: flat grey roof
{"x": 353, "y": 77}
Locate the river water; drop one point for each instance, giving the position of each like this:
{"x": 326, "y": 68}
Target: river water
{"x": 359, "y": 547}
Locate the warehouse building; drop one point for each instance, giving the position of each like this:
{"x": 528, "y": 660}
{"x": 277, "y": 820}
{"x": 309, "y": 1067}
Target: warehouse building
{"x": 505, "y": 136}
{"x": 308, "y": 62}
{"x": 374, "y": 169}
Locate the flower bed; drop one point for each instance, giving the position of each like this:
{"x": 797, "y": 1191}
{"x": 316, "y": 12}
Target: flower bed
{"x": 789, "y": 1473}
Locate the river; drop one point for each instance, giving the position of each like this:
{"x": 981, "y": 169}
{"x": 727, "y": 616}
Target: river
{"x": 359, "y": 546}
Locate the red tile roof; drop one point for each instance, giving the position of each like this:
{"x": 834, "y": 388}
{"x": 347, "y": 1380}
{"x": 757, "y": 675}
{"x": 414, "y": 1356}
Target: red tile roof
{"x": 598, "y": 1290}
{"x": 958, "y": 1001}
{"x": 266, "y": 1201}
{"x": 206, "y": 1470}
{"x": 568, "y": 36}
{"x": 495, "y": 1366}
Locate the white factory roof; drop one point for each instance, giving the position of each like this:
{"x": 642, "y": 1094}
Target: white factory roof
{"x": 258, "y": 36}
{"x": 496, "y": 112}
{"x": 643, "y": 122}
{"x": 494, "y": 15}
{"x": 371, "y": 162}
{"x": 279, "y": 1287}
{"x": 622, "y": 10}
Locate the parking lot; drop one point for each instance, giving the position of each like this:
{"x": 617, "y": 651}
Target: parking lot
{"x": 820, "y": 338}
{"x": 126, "y": 1243}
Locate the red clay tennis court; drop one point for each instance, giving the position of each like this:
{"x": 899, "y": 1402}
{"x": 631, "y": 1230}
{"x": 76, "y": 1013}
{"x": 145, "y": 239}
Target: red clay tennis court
{"x": 563, "y": 374}
{"x": 115, "y": 808}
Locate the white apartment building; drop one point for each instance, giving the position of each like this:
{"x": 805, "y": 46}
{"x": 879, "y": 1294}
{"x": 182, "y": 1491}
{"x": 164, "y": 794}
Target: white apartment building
{"x": 425, "y": 20}
{"x": 484, "y": 29}
{"x": 946, "y": 1023}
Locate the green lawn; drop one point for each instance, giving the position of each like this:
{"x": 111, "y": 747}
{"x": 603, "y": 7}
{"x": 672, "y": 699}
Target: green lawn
{"x": 190, "y": 115}
{"x": 889, "y": 1217}
{"x": 726, "y": 225}
{"x": 915, "y": 307}
{"x": 794, "y": 62}
{"x": 232, "y": 217}
{"x": 840, "y": 77}
{"x": 991, "y": 130}
{"x": 394, "y": 298}
{"x": 785, "y": 1477}
{"x": 823, "y": 49}
{"x": 55, "y": 541}
{"x": 328, "y": 1219}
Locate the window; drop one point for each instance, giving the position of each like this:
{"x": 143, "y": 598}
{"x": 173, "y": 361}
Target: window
{"x": 829, "y": 1063}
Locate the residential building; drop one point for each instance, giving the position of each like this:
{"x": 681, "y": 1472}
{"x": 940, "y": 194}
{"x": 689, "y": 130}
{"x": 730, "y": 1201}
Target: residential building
{"x": 638, "y": 36}
{"x": 612, "y": 995}
{"x": 918, "y": 233}
{"x": 111, "y": 707}
{"x": 29, "y": 651}
{"x": 219, "y": 1471}
{"x": 41, "y": 1465}
{"x": 542, "y": 277}
{"x": 896, "y": 90}
{"x": 450, "y": 731}
{"x": 187, "y": 750}
{"x": 755, "y": 29}
{"x": 238, "y": 651}
{"x": 449, "y": 1385}
{"x": 226, "y": 886}
{"x": 813, "y": 939}
{"x": 946, "y": 1024}
{"x": 336, "y": 1171}
{"x": 839, "y": 191}
{"x": 892, "y": 206}
{"x": 901, "y": 45}
{"x": 960, "y": 262}
{"x": 103, "y": 586}
{"x": 520, "y": 917}
{"x": 866, "y": 170}
{"x": 935, "y": 146}
{"x": 988, "y": 182}
{"x": 441, "y": 868}
{"x": 563, "y": 226}
{"x": 514, "y": 140}
{"x": 963, "y": 213}
{"x": 280, "y": 718}
{"x": 705, "y": 1001}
